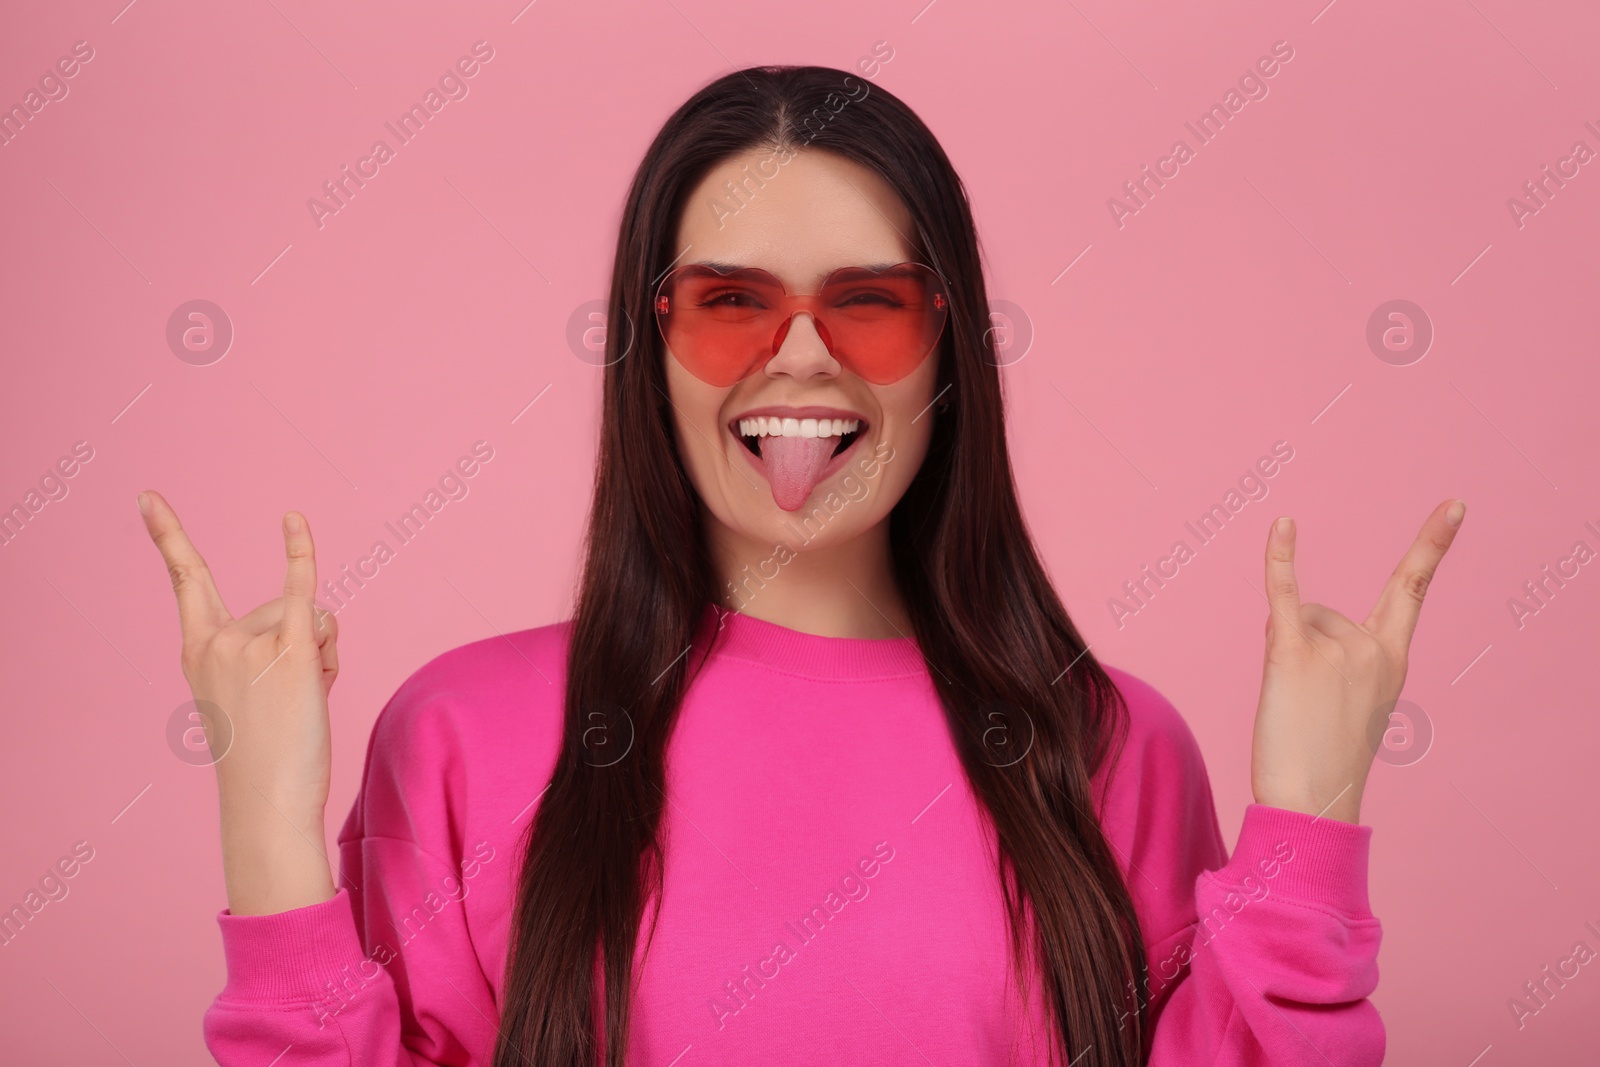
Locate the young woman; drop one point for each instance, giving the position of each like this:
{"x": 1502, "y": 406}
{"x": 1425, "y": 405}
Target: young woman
{"x": 820, "y": 771}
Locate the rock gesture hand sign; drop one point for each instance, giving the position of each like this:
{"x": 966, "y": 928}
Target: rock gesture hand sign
{"x": 1325, "y": 678}
{"x": 267, "y": 675}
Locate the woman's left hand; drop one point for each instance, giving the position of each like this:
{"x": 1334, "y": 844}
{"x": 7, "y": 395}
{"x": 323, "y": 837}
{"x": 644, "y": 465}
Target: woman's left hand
{"x": 1325, "y": 678}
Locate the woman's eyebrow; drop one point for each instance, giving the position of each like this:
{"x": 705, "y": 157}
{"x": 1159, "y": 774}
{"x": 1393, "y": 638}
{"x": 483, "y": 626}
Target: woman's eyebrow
{"x": 728, "y": 268}
{"x": 719, "y": 266}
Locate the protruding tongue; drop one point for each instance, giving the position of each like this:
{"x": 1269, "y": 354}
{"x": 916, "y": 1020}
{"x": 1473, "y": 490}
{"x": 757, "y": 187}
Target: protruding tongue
{"x": 794, "y": 464}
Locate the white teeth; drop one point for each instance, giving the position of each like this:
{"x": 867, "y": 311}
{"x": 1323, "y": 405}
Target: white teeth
{"x": 774, "y": 426}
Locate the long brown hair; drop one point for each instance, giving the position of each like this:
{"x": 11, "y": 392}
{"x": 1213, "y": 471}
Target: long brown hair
{"x": 997, "y": 640}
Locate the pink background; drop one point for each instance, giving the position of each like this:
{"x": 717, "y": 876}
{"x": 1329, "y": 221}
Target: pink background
{"x": 1227, "y": 314}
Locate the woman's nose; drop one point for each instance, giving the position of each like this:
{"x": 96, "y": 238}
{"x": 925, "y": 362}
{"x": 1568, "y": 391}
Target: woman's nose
{"x": 801, "y": 353}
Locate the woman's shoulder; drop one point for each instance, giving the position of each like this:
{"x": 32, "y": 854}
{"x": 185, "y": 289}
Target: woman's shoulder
{"x": 502, "y": 693}
{"x": 1157, "y": 785}
{"x": 503, "y": 665}
{"x": 454, "y": 748}
{"x": 1158, "y": 810}
{"x": 1156, "y": 729}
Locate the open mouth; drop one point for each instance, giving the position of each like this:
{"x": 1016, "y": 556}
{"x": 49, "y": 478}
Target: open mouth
{"x": 752, "y": 431}
{"x": 795, "y": 454}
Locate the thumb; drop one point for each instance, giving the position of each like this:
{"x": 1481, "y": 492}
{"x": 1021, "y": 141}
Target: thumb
{"x": 299, "y": 582}
{"x": 1283, "y": 590}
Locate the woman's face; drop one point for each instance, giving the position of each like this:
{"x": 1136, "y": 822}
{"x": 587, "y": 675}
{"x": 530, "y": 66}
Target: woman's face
{"x": 818, "y": 213}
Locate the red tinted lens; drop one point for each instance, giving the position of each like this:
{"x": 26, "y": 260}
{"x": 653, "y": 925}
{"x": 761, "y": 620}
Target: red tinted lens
{"x": 719, "y": 326}
{"x": 881, "y": 324}
{"x": 884, "y": 324}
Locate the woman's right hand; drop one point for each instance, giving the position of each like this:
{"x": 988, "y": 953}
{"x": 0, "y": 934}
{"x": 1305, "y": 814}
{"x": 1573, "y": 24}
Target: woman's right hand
{"x": 268, "y": 674}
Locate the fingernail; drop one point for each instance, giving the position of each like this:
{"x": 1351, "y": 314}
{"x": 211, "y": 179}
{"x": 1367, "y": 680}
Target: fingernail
{"x": 144, "y": 504}
{"x": 293, "y": 523}
{"x": 1457, "y": 512}
{"x": 1283, "y": 526}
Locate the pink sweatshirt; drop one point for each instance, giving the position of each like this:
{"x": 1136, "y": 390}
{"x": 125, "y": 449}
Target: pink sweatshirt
{"x": 830, "y": 894}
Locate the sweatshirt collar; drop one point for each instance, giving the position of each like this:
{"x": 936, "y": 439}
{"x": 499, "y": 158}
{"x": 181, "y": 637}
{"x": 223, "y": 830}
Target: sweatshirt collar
{"x": 740, "y": 636}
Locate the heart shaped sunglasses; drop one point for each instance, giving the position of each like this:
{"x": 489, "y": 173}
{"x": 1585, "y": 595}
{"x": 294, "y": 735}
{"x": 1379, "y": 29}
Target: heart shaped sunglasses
{"x": 723, "y": 326}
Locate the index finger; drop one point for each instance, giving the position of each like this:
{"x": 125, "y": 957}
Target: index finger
{"x": 200, "y": 606}
{"x": 1400, "y": 603}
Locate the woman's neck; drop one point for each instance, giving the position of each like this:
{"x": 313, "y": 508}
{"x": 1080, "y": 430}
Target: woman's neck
{"x": 842, "y": 590}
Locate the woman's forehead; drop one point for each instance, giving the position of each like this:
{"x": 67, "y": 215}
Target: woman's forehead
{"x": 816, "y": 213}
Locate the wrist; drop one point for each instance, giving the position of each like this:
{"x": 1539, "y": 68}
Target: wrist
{"x": 1339, "y": 804}
{"x": 244, "y": 803}
{"x": 269, "y": 869}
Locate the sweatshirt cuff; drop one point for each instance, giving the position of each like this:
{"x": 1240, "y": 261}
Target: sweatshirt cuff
{"x": 290, "y": 956}
{"x": 1304, "y": 858}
